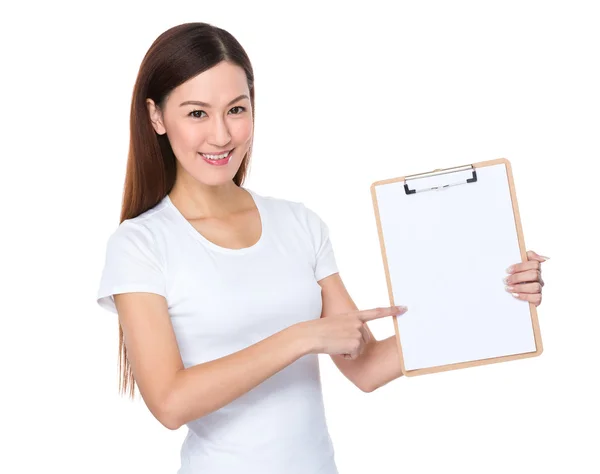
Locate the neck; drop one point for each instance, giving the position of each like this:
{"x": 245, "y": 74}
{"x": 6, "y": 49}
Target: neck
{"x": 196, "y": 200}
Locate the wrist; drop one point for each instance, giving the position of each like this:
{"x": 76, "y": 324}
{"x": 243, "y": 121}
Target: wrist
{"x": 302, "y": 338}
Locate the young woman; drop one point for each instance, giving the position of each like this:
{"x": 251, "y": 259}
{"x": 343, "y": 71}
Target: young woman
{"x": 224, "y": 296}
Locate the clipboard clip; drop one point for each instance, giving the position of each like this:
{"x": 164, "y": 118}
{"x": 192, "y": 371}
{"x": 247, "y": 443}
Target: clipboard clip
{"x": 438, "y": 173}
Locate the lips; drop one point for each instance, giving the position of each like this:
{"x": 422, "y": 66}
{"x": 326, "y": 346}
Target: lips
{"x": 219, "y": 161}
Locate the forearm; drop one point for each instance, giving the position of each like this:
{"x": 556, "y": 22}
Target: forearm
{"x": 204, "y": 388}
{"x": 381, "y": 363}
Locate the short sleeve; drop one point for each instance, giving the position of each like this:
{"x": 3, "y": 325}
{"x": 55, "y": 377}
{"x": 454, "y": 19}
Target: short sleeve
{"x": 131, "y": 265}
{"x": 325, "y": 262}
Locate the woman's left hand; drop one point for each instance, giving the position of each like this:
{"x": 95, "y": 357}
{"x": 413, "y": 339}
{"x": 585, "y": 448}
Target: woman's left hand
{"x": 525, "y": 279}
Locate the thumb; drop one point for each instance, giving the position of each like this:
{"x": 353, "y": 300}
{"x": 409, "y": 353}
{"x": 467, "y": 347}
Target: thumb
{"x": 531, "y": 255}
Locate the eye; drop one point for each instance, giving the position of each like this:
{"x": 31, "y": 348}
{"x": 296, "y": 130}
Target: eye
{"x": 193, "y": 112}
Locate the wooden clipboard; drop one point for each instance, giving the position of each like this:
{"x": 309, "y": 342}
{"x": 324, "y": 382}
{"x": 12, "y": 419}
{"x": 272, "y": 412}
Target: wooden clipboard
{"x": 483, "y": 199}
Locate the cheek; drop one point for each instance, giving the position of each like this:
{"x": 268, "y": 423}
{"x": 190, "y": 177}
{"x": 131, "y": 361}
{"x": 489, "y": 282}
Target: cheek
{"x": 241, "y": 130}
{"x": 184, "y": 137}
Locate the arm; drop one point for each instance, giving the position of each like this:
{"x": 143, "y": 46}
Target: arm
{"x": 380, "y": 362}
{"x": 176, "y": 395}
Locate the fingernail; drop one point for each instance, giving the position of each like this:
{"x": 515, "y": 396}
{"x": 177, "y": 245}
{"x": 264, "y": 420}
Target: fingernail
{"x": 505, "y": 280}
{"x": 510, "y": 269}
{"x": 509, "y": 288}
{"x": 516, "y": 295}
{"x": 401, "y": 308}
{"x": 545, "y": 258}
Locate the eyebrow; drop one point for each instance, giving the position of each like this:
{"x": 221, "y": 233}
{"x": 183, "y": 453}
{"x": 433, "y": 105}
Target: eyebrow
{"x": 204, "y": 104}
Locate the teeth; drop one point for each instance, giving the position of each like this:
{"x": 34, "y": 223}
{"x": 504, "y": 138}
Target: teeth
{"x": 216, "y": 157}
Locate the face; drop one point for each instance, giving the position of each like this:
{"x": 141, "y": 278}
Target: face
{"x": 209, "y": 114}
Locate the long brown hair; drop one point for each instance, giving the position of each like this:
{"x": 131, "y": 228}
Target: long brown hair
{"x": 176, "y": 56}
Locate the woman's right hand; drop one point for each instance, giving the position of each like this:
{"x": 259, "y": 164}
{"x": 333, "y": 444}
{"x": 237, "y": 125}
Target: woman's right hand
{"x": 345, "y": 333}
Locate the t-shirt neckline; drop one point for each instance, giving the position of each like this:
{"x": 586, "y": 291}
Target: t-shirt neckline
{"x": 198, "y": 236}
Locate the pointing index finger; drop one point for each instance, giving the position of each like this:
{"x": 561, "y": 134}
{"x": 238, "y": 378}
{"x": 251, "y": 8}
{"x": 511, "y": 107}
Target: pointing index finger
{"x": 376, "y": 313}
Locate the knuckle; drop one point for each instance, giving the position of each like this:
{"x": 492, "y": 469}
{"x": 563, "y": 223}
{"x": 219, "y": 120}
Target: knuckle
{"x": 539, "y": 287}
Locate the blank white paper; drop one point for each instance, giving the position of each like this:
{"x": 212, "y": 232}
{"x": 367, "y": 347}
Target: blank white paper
{"x": 447, "y": 254}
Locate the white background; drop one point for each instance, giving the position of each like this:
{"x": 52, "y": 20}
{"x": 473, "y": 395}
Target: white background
{"x": 346, "y": 94}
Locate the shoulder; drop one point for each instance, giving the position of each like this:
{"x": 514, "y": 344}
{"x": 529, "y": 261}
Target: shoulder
{"x": 296, "y": 210}
{"x": 297, "y": 219}
{"x": 141, "y": 232}
{"x": 131, "y": 231}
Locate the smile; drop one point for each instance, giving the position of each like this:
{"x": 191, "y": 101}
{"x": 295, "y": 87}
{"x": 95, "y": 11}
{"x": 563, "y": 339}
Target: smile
{"x": 217, "y": 157}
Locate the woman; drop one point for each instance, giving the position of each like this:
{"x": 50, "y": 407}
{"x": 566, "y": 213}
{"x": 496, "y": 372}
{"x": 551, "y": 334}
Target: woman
{"x": 224, "y": 296}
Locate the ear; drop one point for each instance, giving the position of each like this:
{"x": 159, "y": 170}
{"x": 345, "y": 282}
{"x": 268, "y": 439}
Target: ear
{"x": 156, "y": 117}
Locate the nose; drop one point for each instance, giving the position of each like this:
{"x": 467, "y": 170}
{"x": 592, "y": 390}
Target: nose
{"x": 219, "y": 133}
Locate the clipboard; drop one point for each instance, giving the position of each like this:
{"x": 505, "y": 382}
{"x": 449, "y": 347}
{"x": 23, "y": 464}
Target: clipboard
{"x": 447, "y": 237}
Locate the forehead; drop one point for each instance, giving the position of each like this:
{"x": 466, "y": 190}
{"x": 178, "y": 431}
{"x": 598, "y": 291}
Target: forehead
{"x": 217, "y": 85}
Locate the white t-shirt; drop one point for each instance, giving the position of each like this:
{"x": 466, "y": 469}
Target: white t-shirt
{"x": 223, "y": 300}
